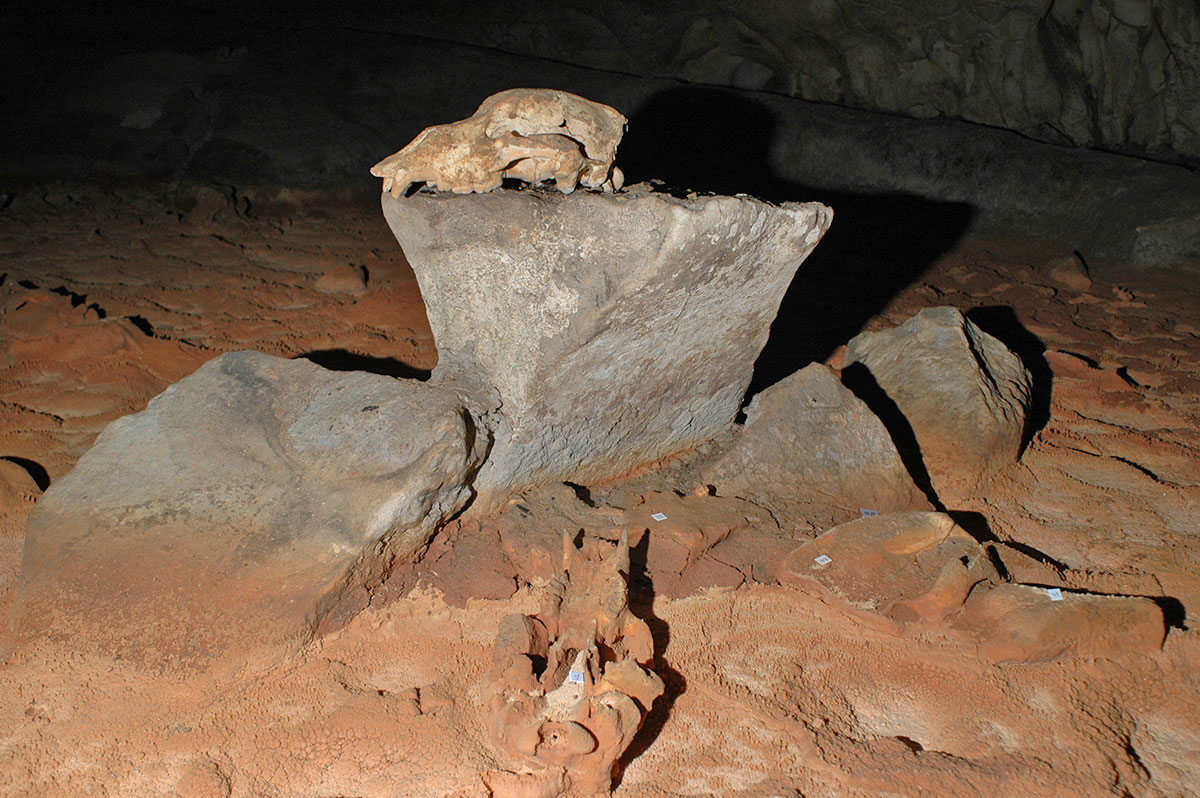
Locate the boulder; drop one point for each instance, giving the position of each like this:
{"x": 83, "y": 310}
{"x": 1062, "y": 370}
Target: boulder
{"x": 238, "y": 506}
{"x": 599, "y": 331}
{"x": 813, "y": 453}
{"x": 912, "y": 566}
{"x": 1024, "y": 623}
{"x": 954, "y": 391}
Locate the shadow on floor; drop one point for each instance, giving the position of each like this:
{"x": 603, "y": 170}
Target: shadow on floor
{"x": 718, "y": 141}
{"x": 641, "y": 602}
{"x": 343, "y": 360}
{"x": 37, "y": 472}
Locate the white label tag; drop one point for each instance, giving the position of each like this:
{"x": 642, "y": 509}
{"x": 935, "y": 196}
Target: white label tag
{"x": 867, "y": 513}
{"x": 659, "y": 516}
{"x": 824, "y": 559}
{"x": 1054, "y": 593}
{"x": 575, "y": 676}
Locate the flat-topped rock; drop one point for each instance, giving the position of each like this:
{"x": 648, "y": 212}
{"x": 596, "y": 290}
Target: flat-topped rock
{"x": 599, "y": 331}
{"x": 238, "y": 505}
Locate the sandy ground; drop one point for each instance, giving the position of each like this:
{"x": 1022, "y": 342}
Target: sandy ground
{"x": 108, "y": 296}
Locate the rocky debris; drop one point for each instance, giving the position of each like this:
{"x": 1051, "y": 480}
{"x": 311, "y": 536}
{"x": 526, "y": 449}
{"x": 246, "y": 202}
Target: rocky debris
{"x": 599, "y": 332}
{"x": 1069, "y": 271}
{"x": 947, "y": 389}
{"x": 238, "y": 505}
{"x": 534, "y": 135}
{"x": 813, "y": 452}
{"x": 698, "y": 541}
{"x": 569, "y": 687}
{"x": 910, "y": 566}
{"x": 1024, "y": 623}
{"x": 702, "y": 541}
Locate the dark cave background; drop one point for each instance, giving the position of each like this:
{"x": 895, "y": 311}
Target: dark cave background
{"x": 255, "y": 97}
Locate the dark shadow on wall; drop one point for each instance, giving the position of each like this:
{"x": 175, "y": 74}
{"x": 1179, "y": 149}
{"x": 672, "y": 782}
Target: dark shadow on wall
{"x": 718, "y": 141}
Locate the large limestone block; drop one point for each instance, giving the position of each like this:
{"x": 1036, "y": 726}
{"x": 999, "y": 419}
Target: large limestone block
{"x": 238, "y": 505}
{"x": 962, "y": 392}
{"x": 812, "y": 452}
{"x": 603, "y": 330}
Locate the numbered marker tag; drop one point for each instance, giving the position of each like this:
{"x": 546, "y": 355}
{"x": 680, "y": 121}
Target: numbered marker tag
{"x": 1054, "y": 593}
{"x": 824, "y": 559}
{"x": 575, "y": 676}
{"x": 659, "y": 516}
{"x": 867, "y": 513}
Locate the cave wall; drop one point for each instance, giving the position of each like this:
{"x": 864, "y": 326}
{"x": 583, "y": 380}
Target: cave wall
{"x": 1119, "y": 75}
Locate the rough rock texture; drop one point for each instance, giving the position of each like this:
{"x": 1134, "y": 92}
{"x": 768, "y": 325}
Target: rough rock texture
{"x": 811, "y": 450}
{"x": 532, "y": 135}
{"x": 1117, "y": 74}
{"x": 1022, "y": 623}
{"x": 962, "y": 395}
{"x": 569, "y": 686}
{"x": 603, "y": 330}
{"x": 912, "y": 566}
{"x": 238, "y": 504}
{"x": 704, "y": 541}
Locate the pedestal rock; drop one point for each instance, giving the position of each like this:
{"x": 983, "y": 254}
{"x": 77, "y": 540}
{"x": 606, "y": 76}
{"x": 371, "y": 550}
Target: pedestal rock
{"x": 230, "y": 512}
{"x": 598, "y": 331}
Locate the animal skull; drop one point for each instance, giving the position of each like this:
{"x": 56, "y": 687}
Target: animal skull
{"x": 532, "y": 135}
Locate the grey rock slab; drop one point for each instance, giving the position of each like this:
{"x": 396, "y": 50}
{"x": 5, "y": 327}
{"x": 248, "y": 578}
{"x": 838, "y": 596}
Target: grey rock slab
{"x": 600, "y": 331}
{"x": 814, "y": 454}
{"x": 238, "y": 505}
{"x": 963, "y": 394}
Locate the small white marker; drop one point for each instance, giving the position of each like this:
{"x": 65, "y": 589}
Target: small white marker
{"x": 824, "y": 559}
{"x": 575, "y": 676}
{"x": 1054, "y": 593}
{"x": 659, "y": 516}
{"x": 867, "y": 513}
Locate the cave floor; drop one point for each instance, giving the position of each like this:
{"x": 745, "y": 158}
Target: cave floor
{"x": 107, "y": 296}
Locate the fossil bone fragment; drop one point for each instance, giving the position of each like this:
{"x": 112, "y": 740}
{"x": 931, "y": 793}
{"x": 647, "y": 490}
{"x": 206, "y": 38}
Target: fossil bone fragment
{"x": 534, "y": 135}
{"x": 569, "y": 689}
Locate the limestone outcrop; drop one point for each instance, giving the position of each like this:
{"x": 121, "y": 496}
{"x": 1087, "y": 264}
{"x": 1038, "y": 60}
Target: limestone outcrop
{"x": 234, "y": 508}
{"x": 962, "y": 393}
{"x": 811, "y": 451}
{"x": 569, "y": 687}
{"x": 599, "y": 331}
{"x": 533, "y": 135}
